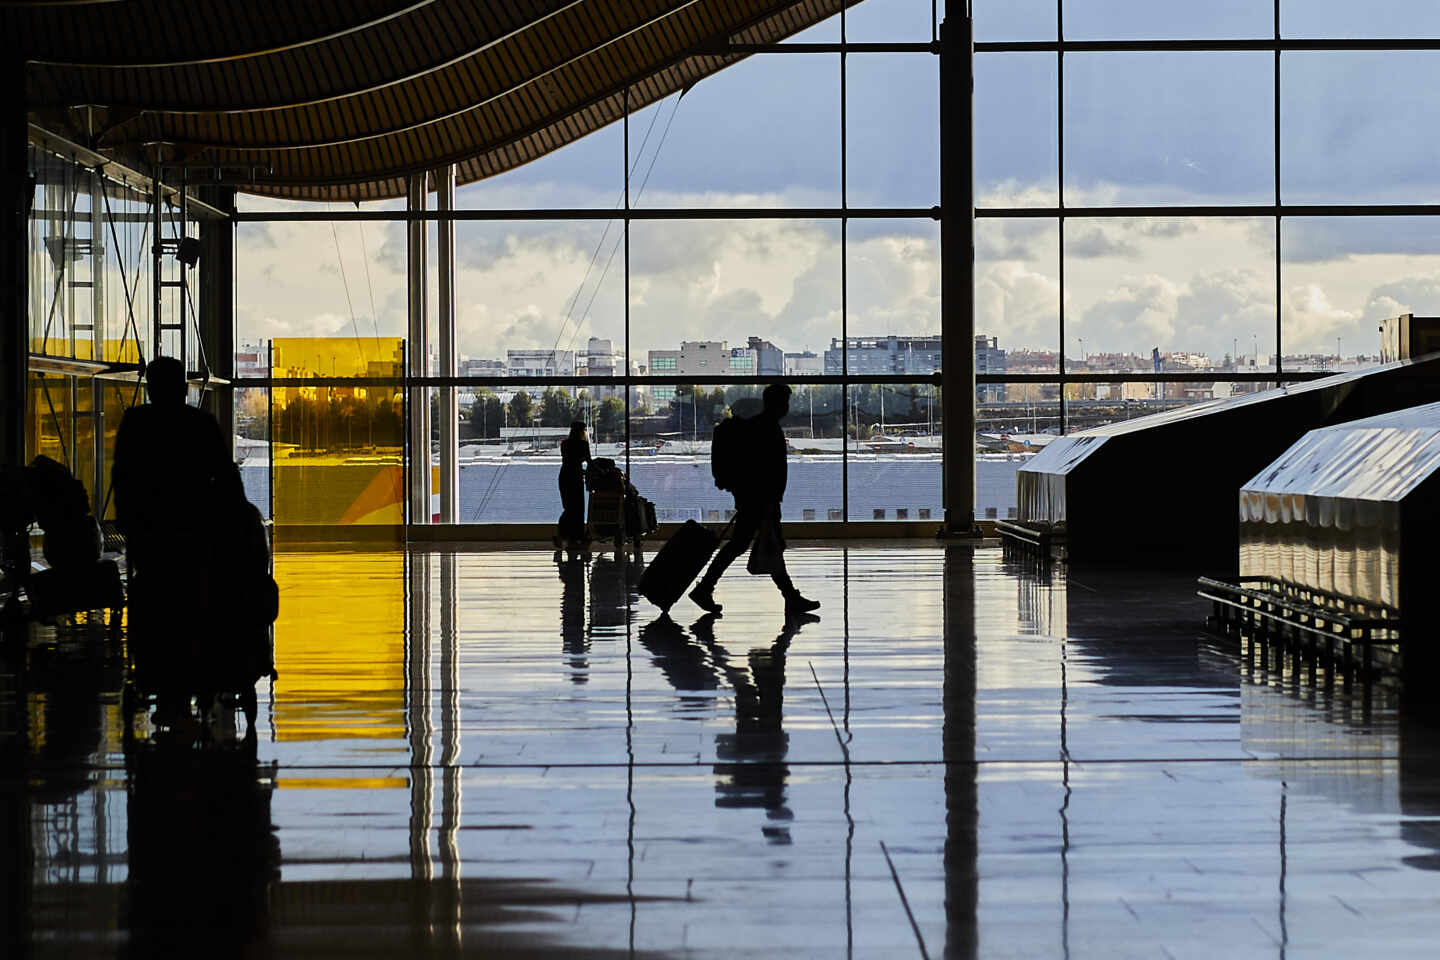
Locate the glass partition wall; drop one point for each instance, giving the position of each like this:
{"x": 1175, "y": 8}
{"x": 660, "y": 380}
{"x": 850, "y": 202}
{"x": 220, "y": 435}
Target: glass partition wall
{"x": 1170, "y": 208}
{"x": 97, "y": 308}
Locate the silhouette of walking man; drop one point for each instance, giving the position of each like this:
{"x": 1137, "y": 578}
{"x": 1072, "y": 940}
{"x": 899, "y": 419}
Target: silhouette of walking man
{"x": 759, "y": 489}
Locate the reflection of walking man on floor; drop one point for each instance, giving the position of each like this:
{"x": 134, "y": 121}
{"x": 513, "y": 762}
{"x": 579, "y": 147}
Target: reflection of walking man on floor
{"x": 757, "y": 479}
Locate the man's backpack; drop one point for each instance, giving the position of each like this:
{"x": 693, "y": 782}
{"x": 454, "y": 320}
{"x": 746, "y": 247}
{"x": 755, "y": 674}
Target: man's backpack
{"x": 727, "y": 453}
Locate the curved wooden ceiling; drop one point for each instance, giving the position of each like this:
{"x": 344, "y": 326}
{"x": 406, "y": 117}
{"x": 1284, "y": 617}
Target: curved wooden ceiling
{"x": 342, "y": 101}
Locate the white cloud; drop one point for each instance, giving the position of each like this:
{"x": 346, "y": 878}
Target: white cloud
{"x": 1138, "y": 310}
{"x": 1017, "y": 304}
{"x": 1176, "y": 283}
{"x": 1413, "y": 294}
{"x": 1312, "y": 321}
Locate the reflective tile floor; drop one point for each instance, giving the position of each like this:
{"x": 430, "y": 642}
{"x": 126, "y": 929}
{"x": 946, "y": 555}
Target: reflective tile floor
{"x": 481, "y": 752}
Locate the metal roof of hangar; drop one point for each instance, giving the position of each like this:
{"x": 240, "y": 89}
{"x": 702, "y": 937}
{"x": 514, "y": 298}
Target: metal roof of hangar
{"x": 344, "y": 101}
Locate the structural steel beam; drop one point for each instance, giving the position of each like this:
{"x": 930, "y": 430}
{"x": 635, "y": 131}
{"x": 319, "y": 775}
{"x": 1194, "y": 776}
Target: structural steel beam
{"x": 445, "y": 308}
{"x": 417, "y": 357}
{"x": 215, "y": 305}
{"x": 957, "y": 272}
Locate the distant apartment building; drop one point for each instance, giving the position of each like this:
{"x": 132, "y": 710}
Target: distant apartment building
{"x": 477, "y": 367}
{"x": 804, "y": 364}
{"x": 769, "y": 359}
{"x": 989, "y": 358}
{"x": 600, "y": 358}
{"x": 919, "y": 356}
{"x": 1191, "y": 361}
{"x": 251, "y": 360}
{"x": 701, "y": 361}
{"x": 539, "y": 363}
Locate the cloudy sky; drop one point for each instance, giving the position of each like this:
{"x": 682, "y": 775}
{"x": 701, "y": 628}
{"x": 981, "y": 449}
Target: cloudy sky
{"x": 1139, "y": 128}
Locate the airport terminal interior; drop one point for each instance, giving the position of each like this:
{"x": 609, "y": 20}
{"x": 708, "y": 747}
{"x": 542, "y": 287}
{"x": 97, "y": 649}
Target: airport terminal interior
{"x": 379, "y": 378}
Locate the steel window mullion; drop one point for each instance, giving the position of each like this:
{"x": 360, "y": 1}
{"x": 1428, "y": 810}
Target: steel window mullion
{"x": 625, "y": 228}
{"x": 1060, "y": 189}
{"x": 594, "y": 213}
{"x": 1279, "y": 290}
{"x": 855, "y": 213}
{"x": 932, "y": 48}
{"x": 1238, "y": 210}
{"x": 844, "y": 288}
{"x": 1205, "y": 46}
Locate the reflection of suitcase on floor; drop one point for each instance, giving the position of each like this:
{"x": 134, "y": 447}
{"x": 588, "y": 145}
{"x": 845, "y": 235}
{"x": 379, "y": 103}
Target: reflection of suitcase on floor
{"x": 677, "y": 564}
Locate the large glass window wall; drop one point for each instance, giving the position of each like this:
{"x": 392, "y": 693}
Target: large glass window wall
{"x": 1173, "y": 206}
{"x": 648, "y": 280}
{"x": 1179, "y": 202}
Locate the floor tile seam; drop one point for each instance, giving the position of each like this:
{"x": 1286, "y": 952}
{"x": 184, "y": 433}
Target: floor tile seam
{"x": 838, "y": 764}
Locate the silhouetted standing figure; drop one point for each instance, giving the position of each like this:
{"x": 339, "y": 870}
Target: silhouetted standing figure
{"x": 574, "y": 457}
{"x": 171, "y": 470}
{"x": 758, "y": 493}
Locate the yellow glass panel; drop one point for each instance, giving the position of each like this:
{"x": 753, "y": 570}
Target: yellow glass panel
{"x": 338, "y": 451}
{"x": 119, "y": 397}
{"x": 337, "y": 357}
{"x": 340, "y": 645}
{"x": 84, "y": 466}
{"x": 48, "y": 419}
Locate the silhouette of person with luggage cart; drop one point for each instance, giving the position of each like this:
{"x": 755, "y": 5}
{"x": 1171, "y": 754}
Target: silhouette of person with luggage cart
{"x": 749, "y": 460}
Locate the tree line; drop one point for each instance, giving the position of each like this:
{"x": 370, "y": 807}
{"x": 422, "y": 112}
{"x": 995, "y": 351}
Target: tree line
{"x": 335, "y": 422}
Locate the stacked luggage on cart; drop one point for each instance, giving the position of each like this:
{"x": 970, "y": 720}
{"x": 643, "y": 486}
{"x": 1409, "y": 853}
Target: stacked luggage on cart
{"x": 617, "y": 511}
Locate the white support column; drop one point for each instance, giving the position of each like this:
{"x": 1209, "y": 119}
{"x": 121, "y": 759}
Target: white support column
{"x": 445, "y": 304}
{"x": 417, "y": 350}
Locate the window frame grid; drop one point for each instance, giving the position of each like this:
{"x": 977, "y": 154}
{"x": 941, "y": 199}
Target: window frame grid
{"x": 1276, "y": 44}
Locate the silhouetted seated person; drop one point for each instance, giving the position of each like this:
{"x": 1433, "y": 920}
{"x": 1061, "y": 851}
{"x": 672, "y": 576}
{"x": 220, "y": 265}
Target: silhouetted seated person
{"x": 76, "y": 579}
{"x": 62, "y": 509}
{"x": 574, "y": 457}
{"x": 171, "y": 470}
{"x": 758, "y": 482}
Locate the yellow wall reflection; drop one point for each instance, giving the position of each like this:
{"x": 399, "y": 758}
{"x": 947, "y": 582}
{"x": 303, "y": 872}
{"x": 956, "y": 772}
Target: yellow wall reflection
{"x": 340, "y": 646}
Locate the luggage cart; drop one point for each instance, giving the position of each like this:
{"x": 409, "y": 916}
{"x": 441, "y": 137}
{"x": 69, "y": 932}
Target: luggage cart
{"x": 617, "y": 512}
{"x": 622, "y": 517}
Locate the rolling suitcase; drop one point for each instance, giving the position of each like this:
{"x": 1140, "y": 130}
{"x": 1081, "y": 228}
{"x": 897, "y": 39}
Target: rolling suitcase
{"x": 677, "y": 564}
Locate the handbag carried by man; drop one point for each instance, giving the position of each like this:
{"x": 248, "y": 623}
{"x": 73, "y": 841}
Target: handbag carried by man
{"x": 767, "y": 554}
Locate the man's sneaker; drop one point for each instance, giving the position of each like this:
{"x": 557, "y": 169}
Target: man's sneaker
{"x": 795, "y": 603}
{"x": 704, "y": 598}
